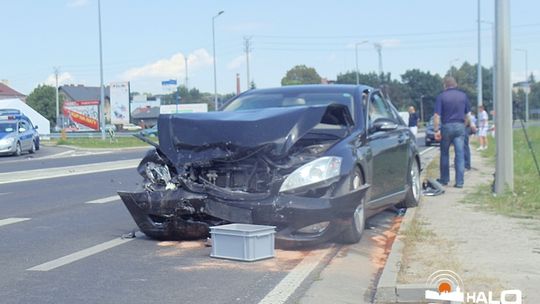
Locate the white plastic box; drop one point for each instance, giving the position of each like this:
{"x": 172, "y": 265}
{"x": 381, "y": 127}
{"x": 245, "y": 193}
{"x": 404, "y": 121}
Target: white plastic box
{"x": 243, "y": 242}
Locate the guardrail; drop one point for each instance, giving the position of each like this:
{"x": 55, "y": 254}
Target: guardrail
{"x": 88, "y": 134}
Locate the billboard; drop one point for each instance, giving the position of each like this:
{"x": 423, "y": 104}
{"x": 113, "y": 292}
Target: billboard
{"x": 81, "y": 115}
{"x": 119, "y": 103}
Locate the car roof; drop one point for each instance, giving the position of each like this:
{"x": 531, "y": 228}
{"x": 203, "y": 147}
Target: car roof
{"x": 313, "y": 88}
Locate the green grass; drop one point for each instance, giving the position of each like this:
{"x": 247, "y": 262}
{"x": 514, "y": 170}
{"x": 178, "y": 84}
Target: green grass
{"x": 525, "y": 199}
{"x": 119, "y": 142}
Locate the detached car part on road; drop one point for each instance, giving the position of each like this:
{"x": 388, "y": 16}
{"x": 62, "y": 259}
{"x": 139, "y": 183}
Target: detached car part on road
{"x": 314, "y": 161}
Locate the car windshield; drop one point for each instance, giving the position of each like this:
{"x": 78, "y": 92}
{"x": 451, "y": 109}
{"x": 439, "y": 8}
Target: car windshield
{"x": 8, "y": 127}
{"x": 280, "y": 100}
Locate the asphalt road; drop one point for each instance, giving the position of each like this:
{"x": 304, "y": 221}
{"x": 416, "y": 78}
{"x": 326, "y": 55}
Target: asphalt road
{"x": 58, "y": 248}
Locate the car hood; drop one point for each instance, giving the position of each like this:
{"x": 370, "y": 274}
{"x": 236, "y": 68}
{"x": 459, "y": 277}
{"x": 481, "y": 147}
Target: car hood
{"x": 191, "y": 137}
{"x": 5, "y": 135}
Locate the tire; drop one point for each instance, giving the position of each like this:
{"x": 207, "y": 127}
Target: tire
{"x": 413, "y": 194}
{"x": 18, "y": 150}
{"x": 353, "y": 233}
{"x": 33, "y": 148}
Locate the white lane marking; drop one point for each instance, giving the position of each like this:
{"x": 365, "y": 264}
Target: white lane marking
{"x": 38, "y": 174}
{"x": 104, "y": 200}
{"x": 427, "y": 150}
{"x": 13, "y": 220}
{"x": 79, "y": 255}
{"x": 5, "y": 193}
{"x": 55, "y": 155}
{"x": 290, "y": 283}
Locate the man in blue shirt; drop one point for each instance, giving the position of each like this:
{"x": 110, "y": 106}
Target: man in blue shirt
{"x": 413, "y": 120}
{"x": 451, "y": 108}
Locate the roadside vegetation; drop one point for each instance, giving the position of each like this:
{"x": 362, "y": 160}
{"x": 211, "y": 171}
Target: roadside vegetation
{"x": 524, "y": 201}
{"x": 97, "y": 142}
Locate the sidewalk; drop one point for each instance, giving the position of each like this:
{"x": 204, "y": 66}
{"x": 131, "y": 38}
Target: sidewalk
{"x": 490, "y": 252}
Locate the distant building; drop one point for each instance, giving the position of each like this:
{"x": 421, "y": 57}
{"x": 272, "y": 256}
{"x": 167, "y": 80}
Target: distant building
{"x": 8, "y": 93}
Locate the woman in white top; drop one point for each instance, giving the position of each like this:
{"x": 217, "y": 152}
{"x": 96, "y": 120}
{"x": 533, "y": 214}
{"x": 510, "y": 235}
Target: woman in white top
{"x": 483, "y": 127}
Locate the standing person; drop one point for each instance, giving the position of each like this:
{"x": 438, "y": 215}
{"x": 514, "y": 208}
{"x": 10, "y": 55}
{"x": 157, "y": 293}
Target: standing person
{"x": 470, "y": 128}
{"x": 483, "y": 127}
{"x": 451, "y": 107}
{"x": 413, "y": 120}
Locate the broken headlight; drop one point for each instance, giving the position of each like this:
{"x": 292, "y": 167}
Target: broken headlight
{"x": 158, "y": 174}
{"x": 319, "y": 170}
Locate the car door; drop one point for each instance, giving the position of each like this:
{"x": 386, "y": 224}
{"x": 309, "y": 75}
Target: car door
{"x": 386, "y": 139}
{"x": 25, "y": 137}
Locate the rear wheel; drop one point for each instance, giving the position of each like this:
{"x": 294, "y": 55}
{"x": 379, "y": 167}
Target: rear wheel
{"x": 33, "y": 148}
{"x": 413, "y": 194}
{"x": 18, "y": 150}
{"x": 353, "y": 233}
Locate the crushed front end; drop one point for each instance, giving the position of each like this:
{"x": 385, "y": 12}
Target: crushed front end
{"x": 191, "y": 185}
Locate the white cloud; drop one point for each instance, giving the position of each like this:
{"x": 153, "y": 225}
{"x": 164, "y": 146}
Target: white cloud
{"x": 63, "y": 78}
{"x": 172, "y": 67}
{"x": 237, "y": 62}
{"x": 77, "y": 3}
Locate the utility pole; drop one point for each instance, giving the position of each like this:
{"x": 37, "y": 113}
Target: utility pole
{"x": 214, "y": 55}
{"x": 247, "y": 49}
{"x": 356, "y": 59}
{"x": 102, "y": 91}
{"x": 479, "y": 71}
{"x": 56, "y": 72}
{"x": 378, "y": 47}
{"x": 504, "y": 162}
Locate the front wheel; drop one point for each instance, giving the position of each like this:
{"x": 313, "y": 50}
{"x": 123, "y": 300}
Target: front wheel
{"x": 18, "y": 150}
{"x": 413, "y": 194}
{"x": 353, "y": 232}
{"x": 33, "y": 148}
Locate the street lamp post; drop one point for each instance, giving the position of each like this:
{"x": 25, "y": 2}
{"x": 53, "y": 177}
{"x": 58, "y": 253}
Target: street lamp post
{"x": 214, "y": 53}
{"x": 479, "y": 67}
{"x": 102, "y": 91}
{"x": 526, "y": 83}
{"x": 356, "y": 56}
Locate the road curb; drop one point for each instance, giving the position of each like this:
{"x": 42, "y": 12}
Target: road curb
{"x": 387, "y": 287}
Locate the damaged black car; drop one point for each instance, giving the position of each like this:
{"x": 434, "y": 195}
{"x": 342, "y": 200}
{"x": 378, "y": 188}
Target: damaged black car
{"x": 315, "y": 161}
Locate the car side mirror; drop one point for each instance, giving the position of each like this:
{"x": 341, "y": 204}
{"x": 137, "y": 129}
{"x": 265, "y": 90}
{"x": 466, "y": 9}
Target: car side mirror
{"x": 22, "y": 130}
{"x": 383, "y": 124}
{"x": 36, "y": 127}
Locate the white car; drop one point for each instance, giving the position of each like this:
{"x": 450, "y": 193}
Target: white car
{"x": 131, "y": 127}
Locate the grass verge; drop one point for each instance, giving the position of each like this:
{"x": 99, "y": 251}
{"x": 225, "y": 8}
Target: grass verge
{"x": 525, "y": 199}
{"x": 120, "y": 142}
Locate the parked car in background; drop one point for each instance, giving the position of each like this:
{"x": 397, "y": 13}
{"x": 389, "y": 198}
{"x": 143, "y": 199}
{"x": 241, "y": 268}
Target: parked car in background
{"x": 430, "y": 134}
{"x": 17, "y": 134}
{"x": 150, "y": 132}
{"x": 314, "y": 161}
{"x": 131, "y": 127}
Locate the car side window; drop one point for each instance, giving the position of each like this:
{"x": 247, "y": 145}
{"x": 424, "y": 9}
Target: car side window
{"x": 22, "y": 124}
{"x": 378, "y": 108}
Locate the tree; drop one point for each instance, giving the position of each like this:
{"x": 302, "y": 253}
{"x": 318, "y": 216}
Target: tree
{"x": 43, "y": 100}
{"x": 422, "y": 89}
{"x": 301, "y": 74}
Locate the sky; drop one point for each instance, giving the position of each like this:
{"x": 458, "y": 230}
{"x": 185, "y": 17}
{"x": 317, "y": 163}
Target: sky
{"x": 146, "y": 42}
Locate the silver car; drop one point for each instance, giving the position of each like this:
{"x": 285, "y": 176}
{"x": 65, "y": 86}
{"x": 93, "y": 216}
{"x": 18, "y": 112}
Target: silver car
{"x": 17, "y": 136}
